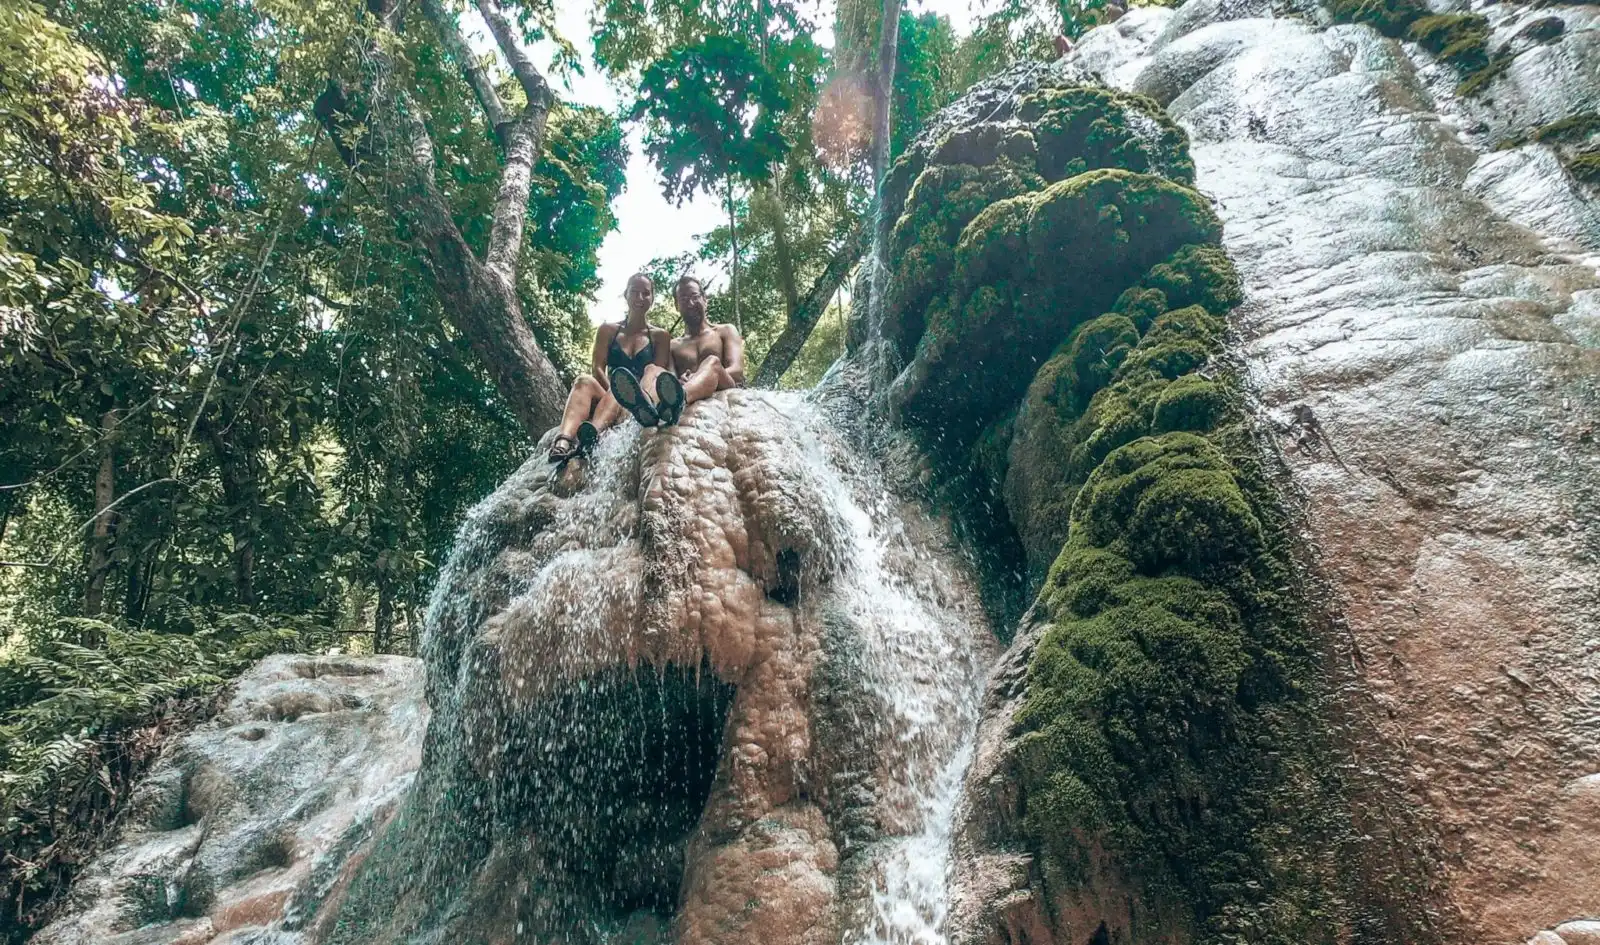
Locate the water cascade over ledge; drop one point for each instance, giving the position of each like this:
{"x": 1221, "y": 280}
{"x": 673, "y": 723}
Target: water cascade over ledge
{"x": 719, "y": 687}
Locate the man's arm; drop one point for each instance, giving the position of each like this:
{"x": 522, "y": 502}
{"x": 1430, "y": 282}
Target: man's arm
{"x": 733, "y": 347}
{"x": 602, "y": 350}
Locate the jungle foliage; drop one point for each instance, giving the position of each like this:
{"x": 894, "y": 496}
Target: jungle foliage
{"x": 242, "y": 403}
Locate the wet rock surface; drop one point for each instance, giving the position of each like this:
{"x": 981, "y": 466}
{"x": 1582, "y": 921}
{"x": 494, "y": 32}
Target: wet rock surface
{"x": 685, "y": 694}
{"x": 245, "y": 823}
{"x": 1419, "y": 329}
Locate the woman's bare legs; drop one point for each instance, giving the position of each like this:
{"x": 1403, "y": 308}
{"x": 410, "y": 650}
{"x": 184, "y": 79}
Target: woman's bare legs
{"x": 647, "y": 383}
{"x": 592, "y": 402}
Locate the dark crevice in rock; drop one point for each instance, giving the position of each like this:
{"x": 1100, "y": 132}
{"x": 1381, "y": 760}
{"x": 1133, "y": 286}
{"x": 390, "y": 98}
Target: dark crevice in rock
{"x": 613, "y": 774}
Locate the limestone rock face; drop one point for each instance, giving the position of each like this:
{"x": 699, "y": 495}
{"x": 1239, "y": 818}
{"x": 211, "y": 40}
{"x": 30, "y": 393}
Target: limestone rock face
{"x": 244, "y": 825}
{"x": 1418, "y": 343}
{"x": 706, "y": 689}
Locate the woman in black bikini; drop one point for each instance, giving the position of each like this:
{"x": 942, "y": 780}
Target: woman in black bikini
{"x": 635, "y": 345}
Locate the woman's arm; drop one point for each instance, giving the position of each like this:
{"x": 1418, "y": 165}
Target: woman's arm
{"x": 601, "y": 353}
{"x": 662, "y": 339}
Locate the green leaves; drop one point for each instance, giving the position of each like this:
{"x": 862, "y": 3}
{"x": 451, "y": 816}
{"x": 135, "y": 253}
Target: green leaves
{"x": 713, "y": 112}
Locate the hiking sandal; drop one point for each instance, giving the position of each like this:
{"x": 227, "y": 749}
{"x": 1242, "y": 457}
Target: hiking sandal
{"x": 588, "y": 435}
{"x": 669, "y": 398}
{"x": 625, "y": 387}
{"x": 564, "y": 447}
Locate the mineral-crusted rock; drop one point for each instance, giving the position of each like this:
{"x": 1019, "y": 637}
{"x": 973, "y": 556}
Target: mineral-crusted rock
{"x": 1420, "y": 327}
{"x": 680, "y": 695}
{"x": 246, "y": 822}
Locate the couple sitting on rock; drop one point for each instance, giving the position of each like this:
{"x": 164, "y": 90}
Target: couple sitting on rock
{"x": 640, "y": 368}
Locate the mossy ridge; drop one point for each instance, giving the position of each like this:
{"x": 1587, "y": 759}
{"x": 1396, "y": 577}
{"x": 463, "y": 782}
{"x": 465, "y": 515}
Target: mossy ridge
{"x": 1027, "y": 271}
{"x": 1080, "y": 128}
{"x": 1125, "y": 374}
{"x": 1458, "y": 39}
{"x": 1109, "y": 384}
{"x": 1571, "y": 137}
{"x": 922, "y": 245}
{"x": 934, "y": 190}
{"x": 1165, "y": 719}
{"x": 1585, "y": 166}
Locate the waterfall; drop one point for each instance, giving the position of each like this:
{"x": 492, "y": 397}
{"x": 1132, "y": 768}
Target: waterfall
{"x": 717, "y": 684}
{"x": 919, "y": 653}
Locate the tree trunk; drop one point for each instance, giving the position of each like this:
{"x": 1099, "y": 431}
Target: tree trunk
{"x": 478, "y": 296}
{"x": 780, "y": 242}
{"x": 105, "y": 493}
{"x": 806, "y": 315}
{"x": 241, "y": 491}
{"x": 883, "y": 94}
{"x": 383, "y": 617}
{"x": 137, "y": 596}
{"x": 733, "y": 235}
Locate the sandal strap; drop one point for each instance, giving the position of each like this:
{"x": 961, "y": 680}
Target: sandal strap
{"x": 571, "y": 447}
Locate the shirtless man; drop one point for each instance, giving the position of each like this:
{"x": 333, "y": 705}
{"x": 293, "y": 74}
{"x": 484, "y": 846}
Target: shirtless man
{"x": 707, "y": 358}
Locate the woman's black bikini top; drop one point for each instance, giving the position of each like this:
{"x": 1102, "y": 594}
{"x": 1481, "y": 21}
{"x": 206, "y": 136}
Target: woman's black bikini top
{"x": 636, "y": 362}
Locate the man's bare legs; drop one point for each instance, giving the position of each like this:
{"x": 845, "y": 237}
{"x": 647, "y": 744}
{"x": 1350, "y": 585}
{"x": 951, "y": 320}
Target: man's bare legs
{"x": 647, "y": 383}
{"x": 707, "y": 379}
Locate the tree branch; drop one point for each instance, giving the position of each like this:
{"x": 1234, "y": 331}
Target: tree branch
{"x": 805, "y": 317}
{"x": 533, "y": 84}
{"x": 523, "y": 147}
{"x": 479, "y": 297}
{"x": 476, "y": 75}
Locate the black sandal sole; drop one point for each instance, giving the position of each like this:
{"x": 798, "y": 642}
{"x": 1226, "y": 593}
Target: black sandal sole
{"x": 625, "y": 387}
{"x": 669, "y": 398}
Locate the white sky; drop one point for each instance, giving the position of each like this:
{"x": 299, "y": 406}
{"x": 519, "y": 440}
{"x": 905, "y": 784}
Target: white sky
{"x": 648, "y": 225}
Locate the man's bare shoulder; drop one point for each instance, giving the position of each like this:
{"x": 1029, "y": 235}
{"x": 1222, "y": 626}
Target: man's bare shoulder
{"x": 726, "y": 330}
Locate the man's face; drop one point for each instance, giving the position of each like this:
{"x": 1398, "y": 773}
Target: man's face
{"x": 691, "y": 301}
{"x": 640, "y": 295}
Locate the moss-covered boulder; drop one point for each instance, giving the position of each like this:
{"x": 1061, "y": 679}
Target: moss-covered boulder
{"x": 1027, "y": 271}
{"x": 1084, "y": 127}
{"x": 943, "y": 202}
{"x": 1128, "y": 373}
{"x": 1036, "y": 133}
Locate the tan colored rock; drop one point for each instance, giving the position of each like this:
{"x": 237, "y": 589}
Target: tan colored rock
{"x": 247, "y": 816}
{"x": 1579, "y": 932}
{"x": 748, "y": 548}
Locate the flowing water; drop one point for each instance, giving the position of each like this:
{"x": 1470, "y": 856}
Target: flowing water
{"x": 716, "y": 633}
{"x": 924, "y": 651}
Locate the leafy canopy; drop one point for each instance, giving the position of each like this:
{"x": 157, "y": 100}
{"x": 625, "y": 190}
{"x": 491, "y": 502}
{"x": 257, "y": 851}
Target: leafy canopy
{"x": 713, "y": 113}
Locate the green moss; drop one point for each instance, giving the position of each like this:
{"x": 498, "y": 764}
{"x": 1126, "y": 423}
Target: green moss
{"x": 1199, "y": 274}
{"x": 1574, "y": 131}
{"x": 1586, "y": 167}
{"x": 1390, "y": 17}
{"x": 1160, "y": 724}
{"x": 942, "y": 202}
{"x": 986, "y": 144}
{"x": 1477, "y": 80}
{"x": 1114, "y": 224}
{"x": 1177, "y": 343}
{"x": 1190, "y": 403}
{"x": 1029, "y": 270}
{"x": 1141, "y": 305}
{"x": 1460, "y": 39}
{"x": 1569, "y": 130}
{"x": 1097, "y": 349}
{"x": 1082, "y": 128}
